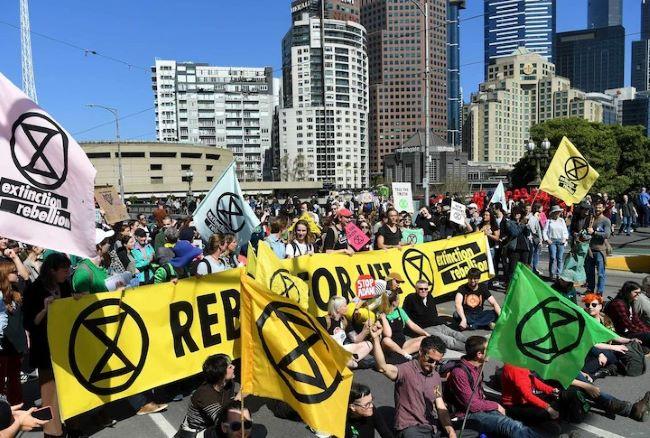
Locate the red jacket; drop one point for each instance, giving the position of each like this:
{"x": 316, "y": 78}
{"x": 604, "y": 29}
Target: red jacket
{"x": 517, "y": 386}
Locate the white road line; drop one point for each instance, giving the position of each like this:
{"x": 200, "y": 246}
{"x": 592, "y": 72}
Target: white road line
{"x": 597, "y": 431}
{"x": 164, "y": 425}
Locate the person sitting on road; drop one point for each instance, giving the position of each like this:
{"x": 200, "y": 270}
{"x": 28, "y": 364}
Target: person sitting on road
{"x": 234, "y": 422}
{"x": 642, "y": 304}
{"x": 465, "y": 384}
{"x": 469, "y": 301}
{"x": 421, "y": 308}
{"x": 394, "y": 323}
{"x": 626, "y": 321}
{"x": 362, "y": 419}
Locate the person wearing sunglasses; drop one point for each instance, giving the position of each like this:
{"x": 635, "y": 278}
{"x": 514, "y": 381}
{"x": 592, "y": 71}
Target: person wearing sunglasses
{"x": 235, "y": 422}
{"x": 362, "y": 420}
{"x": 625, "y": 319}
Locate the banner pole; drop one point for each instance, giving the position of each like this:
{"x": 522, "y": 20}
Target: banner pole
{"x": 469, "y": 403}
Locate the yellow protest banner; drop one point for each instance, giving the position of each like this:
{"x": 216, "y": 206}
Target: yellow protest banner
{"x": 313, "y": 226}
{"x": 287, "y": 355}
{"x": 569, "y": 176}
{"x": 270, "y": 272}
{"x": 109, "y": 346}
{"x": 443, "y": 263}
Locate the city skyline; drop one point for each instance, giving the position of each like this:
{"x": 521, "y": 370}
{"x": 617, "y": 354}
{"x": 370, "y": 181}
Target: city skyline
{"x": 67, "y": 78}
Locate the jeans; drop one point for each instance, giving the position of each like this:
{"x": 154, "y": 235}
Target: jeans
{"x": 556, "y": 257}
{"x": 453, "y": 339}
{"x": 536, "y": 249}
{"x": 646, "y": 216}
{"x": 626, "y": 225}
{"x": 493, "y": 423}
{"x": 479, "y": 319}
{"x": 596, "y": 262}
{"x": 591, "y": 362}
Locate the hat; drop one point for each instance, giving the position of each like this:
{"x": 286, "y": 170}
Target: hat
{"x": 100, "y": 235}
{"x": 472, "y": 205}
{"x": 344, "y": 212}
{"x": 396, "y": 276}
{"x": 184, "y": 253}
{"x": 555, "y": 209}
{"x": 584, "y": 204}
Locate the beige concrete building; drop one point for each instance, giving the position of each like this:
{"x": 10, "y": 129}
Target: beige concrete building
{"x": 521, "y": 90}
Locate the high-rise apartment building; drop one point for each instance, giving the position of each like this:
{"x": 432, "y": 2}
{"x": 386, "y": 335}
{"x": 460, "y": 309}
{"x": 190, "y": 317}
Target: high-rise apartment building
{"x": 510, "y": 24}
{"x": 230, "y": 107}
{"x": 640, "y": 73}
{"x": 454, "y": 95}
{"x": 521, "y": 90}
{"x": 604, "y": 13}
{"x": 593, "y": 59}
{"x": 323, "y": 122}
{"x": 396, "y": 54}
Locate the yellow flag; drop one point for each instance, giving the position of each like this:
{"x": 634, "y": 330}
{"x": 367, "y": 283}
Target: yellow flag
{"x": 251, "y": 261}
{"x": 287, "y": 355}
{"x": 270, "y": 272}
{"x": 569, "y": 176}
{"x": 313, "y": 226}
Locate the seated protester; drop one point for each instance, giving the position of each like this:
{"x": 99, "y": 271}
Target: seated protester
{"x": 230, "y": 422}
{"x": 275, "y": 241}
{"x": 362, "y": 420}
{"x": 212, "y": 262}
{"x": 337, "y": 325}
{"x": 419, "y": 407}
{"x": 485, "y": 415}
{"x": 526, "y": 398}
{"x": 641, "y": 305}
{"x": 421, "y": 309}
{"x": 469, "y": 302}
{"x": 637, "y": 411}
{"x": 427, "y": 222}
{"x": 603, "y": 359}
{"x": 334, "y": 238}
{"x": 394, "y": 283}
{"x": 565, "y": 287}
{"x": 209, "y": 399}
{"x": 394, "y": 323}
{"x": 389, "y": 235}
{"x": 301, "y": 240}
{"x": 626, "y": 321}
{"x": 90, "y": 275}
{"x": 13, "y": 419}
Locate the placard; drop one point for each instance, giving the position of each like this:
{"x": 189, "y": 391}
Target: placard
{"x": 357, "y": 239}
{"x": 412, "y": 236}
{"x": 365, "y": 287}
{"x": 403, "y": 197}
{"x": 109, "y": 201}
{"x": 457, "y": 213}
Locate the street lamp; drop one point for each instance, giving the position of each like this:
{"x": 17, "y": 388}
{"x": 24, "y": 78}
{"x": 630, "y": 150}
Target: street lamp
{"x": 189, "y": 177}
{"x": 115, "y": 113}
{"x": 537, "y": 154}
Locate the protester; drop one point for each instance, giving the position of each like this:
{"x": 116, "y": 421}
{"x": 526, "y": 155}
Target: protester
{"x": 470, "y": 301}
{"x": 14, "y": 341}
{"x": 394, "y": 324}
{"x": 641, "y": 306}
{"x": 644, "y": 206}
{"x": 275, "y": 241}
{"x": 491, "y": 230}
{"x": 301, "y": 241}
{"x": 143, "y": 253}
{"x": 90, "y": 275}
{"x": 159, "y": 239}
{"x": 600, "y": 232}
{"x": 626, "y": 321}
{"x": 125, "y": 254}
{"x": 363, "y": 420}
{"x": 229, "y": 251}
{"x": 517, "y": 245}
{"x": 234, "y": 422}
{"x": 421, "y": 309}
{"x": 184, "y": 254}
{"x": 212, "y": 261}
{"x": 556, "y": 236}
{"x": 628, "y": 213}
{"x": 13, "y": 419}
{"x": 33, "y": 261}
{"x": 637, "y": 411}
{"x": 390, "y": 234}
{"x": 426, "y": 222}
{"x": 335, "y": 240}
{"x": 419, "y": 407}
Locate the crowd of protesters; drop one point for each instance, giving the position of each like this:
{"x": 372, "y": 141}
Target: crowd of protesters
{"x": 405, "y": 339}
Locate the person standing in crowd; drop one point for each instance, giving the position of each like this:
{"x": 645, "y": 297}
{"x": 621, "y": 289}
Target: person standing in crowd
{"x": 14, "y": 341}
{"x": 90, "y": 275}
{"x": 365, "y": 227}
{"x": 212, "y": 262}
{"x": 421, "y": 309}
{"x": 491, "y": 230}
{"x": 301, "y": 240}
{"x": 419, "y": 406}
{"x": 556, "y": 236}
{"x": 335, "y": 240}
{"x": 644, "y": 206}
{"x": 390, "y": 234}
{"x": 125, "y": 255}
{"x": 485, "y": 415}
{"x": 160, "y": 214}
{"x": 641, "y": 306}
{"x": 600, "y": 232}
{"x": 275, "y": 241}
{"x": 363, "y": 420}
{"x": 469, "y": 303}
{"x": 427, "y": 222}
{"x": 34, "y": 261}
{"x": 159, "y": 239}
{"x": 536, "y": 236}
{"x": 628, "y": 213}
{"x": 517, "y": 247}
{"x": 474, "y": 218}
{"x": 305, "y": 207}
{"x": 626, "y": 322}
{"x": 229, "y": 254}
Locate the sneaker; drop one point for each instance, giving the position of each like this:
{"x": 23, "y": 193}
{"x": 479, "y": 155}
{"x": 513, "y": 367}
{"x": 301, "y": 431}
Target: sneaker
{"x": 151, "y": 408}
{"x": 177, "y": 398}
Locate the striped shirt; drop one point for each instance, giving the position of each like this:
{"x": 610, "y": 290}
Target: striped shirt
{"x": 206, "y": 405}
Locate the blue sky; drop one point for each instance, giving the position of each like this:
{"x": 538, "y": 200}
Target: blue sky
{"x": 230, "y": 33}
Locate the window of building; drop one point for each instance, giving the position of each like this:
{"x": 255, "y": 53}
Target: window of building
{"x": 212, "y": 156}
{"x": 156, "y": 180}
{"x": 131, "y": 154}
{"x": 186, "y": 167}
{"x": 162, "y": 154}
{"x": 190, "y": 155}
{"x": 99, "y": 154}
{"x": 155, "y": 167}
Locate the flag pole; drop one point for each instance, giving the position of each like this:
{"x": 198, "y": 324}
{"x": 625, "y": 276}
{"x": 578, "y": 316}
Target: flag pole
{"x": 469, "y": 403}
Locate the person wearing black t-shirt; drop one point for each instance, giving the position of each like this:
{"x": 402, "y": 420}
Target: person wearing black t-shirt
{"x": 470, "y": 299}
{"x": 335, "y": 238}
{"x": 389, "y": 235}
{"x": 363, "y": 421}
{"x": 427, "y": 222}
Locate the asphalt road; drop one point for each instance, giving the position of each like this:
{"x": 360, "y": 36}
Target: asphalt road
{"x": 166, "y": 423}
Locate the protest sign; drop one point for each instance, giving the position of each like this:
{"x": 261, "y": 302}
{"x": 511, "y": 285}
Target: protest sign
{"x": 46, "y": 187}
{"x": 357, "y": 239}
{"x": 365, "y": 287}
{"x": 109, "y": 201}
{"x": 457, "y": 213}
{"x": 403, "y": 197}
{"x": 109, "y": 346}
{"x": 412, "y": 236}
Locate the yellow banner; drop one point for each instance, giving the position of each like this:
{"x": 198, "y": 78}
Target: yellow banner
{"x": 569, "y": 176}
{"x": 109, "y": 346}
{"x": 269, "y": 271}
{"x": 443, "y": 263}
{"x": 288, "y": 356}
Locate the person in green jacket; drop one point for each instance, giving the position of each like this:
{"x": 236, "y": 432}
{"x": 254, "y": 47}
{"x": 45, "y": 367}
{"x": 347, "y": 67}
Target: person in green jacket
{"x": 143, "y": 253}
{"x": 89, "y": 276}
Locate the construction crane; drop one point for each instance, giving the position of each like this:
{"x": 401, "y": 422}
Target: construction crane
{"x": 26, "y": 52}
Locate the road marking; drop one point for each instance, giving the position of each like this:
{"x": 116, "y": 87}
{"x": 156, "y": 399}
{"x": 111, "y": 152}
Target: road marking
{"x": 597, "y": 431}
{"x": 163, "y": 424}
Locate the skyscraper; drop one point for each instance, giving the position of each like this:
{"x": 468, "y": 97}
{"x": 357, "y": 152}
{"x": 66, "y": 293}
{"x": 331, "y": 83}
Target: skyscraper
{"x": 510, "y": 24}
{"x": 396, "y": 49}
{"x": 604, "y": 13}
{"x": 323, "y": 122}
{"x": 454, "y": 96}
{"x": 645, "y": 19}
{"x": 593, "y": 59}
{"x": 640, "y": 72}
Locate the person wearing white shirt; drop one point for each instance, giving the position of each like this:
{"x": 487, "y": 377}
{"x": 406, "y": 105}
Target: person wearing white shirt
{"x": 212, "y": 262}
{"x": 302, "y": 241}
{"x": 556, "y": 235}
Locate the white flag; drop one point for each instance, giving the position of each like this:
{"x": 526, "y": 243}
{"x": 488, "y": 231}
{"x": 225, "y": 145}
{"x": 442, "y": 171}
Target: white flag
{"x": 47, "y": 181}
{"x": 500, "y": 196}
{"x": 224, "y": 210}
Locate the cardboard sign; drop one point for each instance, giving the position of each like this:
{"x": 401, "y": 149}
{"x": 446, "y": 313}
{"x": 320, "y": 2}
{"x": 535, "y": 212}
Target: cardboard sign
{"x": 365, "y": 287}
{"x": 366, "y": 198}
{"x": 403, "y": 197}
{"x": 412, "y": 237}
{"x": 357, "y": 239}
{"x": 457, "y": 213}
{"x": 111, "y": 203}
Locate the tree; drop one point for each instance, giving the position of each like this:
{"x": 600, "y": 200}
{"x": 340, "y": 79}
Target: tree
{"x": 284, "y": 168}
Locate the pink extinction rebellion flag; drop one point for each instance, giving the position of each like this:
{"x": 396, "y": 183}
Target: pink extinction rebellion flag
{"x": 46, "y": 181}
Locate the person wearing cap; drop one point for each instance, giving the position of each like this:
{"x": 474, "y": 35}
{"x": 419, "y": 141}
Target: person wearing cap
{"x": 394, "y": 282}
{"x": 474, "y": 218}
{"x": 90, "y": 275}
{"x": 143, "y": 253}
{"x": 556, "y": 235}
{"x": 335, "y": 240}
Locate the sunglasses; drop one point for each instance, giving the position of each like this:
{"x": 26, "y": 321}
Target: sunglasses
{"x": 430, "y": 360}
{"x": 365, "y": 406}
{"x": 236, "y": 425}
{"x": 423, "y": 288}
{"x": 592, "y": 304}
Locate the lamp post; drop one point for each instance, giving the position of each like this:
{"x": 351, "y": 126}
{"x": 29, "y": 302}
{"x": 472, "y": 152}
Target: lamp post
{"x": 189, "y": 176}
{"x": 537, "y": 154}
{"x": 115, "y": 113}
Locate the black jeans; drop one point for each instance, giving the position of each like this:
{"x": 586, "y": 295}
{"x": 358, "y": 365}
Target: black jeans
{"x": 528, "y": 414}
{"x": 515, "y": 256}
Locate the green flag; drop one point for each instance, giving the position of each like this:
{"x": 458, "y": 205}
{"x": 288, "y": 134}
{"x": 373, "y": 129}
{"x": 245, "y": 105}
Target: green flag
{"x": 541, "y": 330}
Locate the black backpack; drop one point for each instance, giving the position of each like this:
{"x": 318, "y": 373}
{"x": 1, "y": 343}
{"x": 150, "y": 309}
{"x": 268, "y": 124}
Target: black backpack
{"x": 445, "y": 371}
{"x": 632, "y": 363}
{"x": 194, "y": 266}
{"x": 574, "y": 406}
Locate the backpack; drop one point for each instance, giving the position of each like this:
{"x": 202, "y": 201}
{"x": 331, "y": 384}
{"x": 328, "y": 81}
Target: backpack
{"x": 296, "y": 249}
{"x": 574, "y": 405}
{"x": 447, "y": 391}
{"x": 632, "y": 363}
{"x": 151, "y": 278}
{"x": 336, "y": 237}
{"x": 194, "y": 266}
